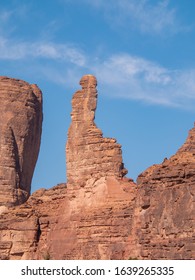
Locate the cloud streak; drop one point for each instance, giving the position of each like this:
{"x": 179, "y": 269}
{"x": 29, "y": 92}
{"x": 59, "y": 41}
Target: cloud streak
{"x": 135, "y": 78}
{"x": 119, "y": 75}
{"x": 142, "y": 15}
{"x": 12, "y": 50}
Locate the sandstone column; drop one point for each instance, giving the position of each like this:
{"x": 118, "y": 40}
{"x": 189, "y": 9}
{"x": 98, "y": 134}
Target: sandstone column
{"x": 20, "y": 135}
{"x": 88, "y": 154}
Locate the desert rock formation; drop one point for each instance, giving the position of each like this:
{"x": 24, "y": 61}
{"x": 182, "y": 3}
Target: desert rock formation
{"x": 94, "y": 223}
{"x": 88, "y": 154}
{"x": 100, "y": 214}
{"x": 20, "y": 135}
{"x": 165, "y": 208}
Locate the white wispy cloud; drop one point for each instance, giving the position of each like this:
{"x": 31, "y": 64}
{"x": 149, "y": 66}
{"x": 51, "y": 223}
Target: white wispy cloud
{"x": 17, "y": 49}
{"x": 144, "y": 15}
{"x": 10, "y": 16}
{"x": 12, "y": 50}
{"x": 149, "y": 17}
{"x": 119, "y": 75}
{"x": 58, "y": 51}
{"x": 132, "y": 78}
{"x": 135, "y": 78}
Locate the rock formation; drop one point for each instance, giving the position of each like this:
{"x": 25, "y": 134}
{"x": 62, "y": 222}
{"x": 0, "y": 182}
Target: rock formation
{"x": 20, "y": 134}
{"x": 165, "y": 208}
{"x": 100, "y": 214}
{"x": 90, "y": 222}
{"x": 88, "y": 154}
{"x": 94, "y": 223}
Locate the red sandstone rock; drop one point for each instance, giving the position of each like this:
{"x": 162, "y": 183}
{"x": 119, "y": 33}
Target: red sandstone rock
{"x": 103, "y": 215}
{"x": 20, "y": 134}
{"x": 93, "y": 223}
{"x": 88, "y": 154}
{"x": 165, "y": 207}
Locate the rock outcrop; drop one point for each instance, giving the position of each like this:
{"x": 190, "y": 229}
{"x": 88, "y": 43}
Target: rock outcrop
{"x": 92, "y": 217}
{"x": 20, "y": 134}
{"x": 165, "y": 208}
{"x": 88, "y": 154}
{"x": 25, "y": 227}
{"x": 94, "y": 223}
{"x": 100, "y": 214}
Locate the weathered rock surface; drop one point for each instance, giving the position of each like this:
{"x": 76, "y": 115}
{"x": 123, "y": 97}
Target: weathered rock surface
{"x": 92, "y": 223}
{"x": 165, "y": 208}
{"x": 92, "y": 218}
{"x": 20, "y": 134}
{"x": 101, "y": 214}
{"x": 88, "y": 154}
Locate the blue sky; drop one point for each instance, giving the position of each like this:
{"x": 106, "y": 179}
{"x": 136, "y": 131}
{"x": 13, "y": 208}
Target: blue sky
{"x": 142, "y": 53}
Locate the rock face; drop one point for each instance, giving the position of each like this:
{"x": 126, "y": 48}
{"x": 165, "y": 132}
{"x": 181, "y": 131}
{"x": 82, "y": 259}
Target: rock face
{"x": 88, "y": 154}
{"x": 165, "y": 207}
{"x": 22, "y": 227}
{"x": 92, "y": 217}
{"x": 100, "y": 214}
{"x": 20, "y": 134}
{"x": 93, "y": 223}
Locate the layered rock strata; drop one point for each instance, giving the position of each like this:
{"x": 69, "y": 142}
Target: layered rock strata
{"x": 20, "y": 134}
{"x": 95, "y": 223}
{"x": 88, "y": 154}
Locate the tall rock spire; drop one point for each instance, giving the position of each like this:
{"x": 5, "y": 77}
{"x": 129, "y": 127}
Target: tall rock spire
{"x": 88, "y": 154}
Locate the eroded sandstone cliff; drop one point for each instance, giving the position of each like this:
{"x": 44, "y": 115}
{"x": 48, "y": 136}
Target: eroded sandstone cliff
{"x": 92, "y": 217}
{"x": 92, "y": 223}
{"x": 165, "y": 206}
{"x": 20, "y": 134}
{"x": 100, "y": 214}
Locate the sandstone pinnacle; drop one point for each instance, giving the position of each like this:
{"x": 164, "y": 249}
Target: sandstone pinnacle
{"x": 20, "y": 133}
{"x": 88, "y": 154}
